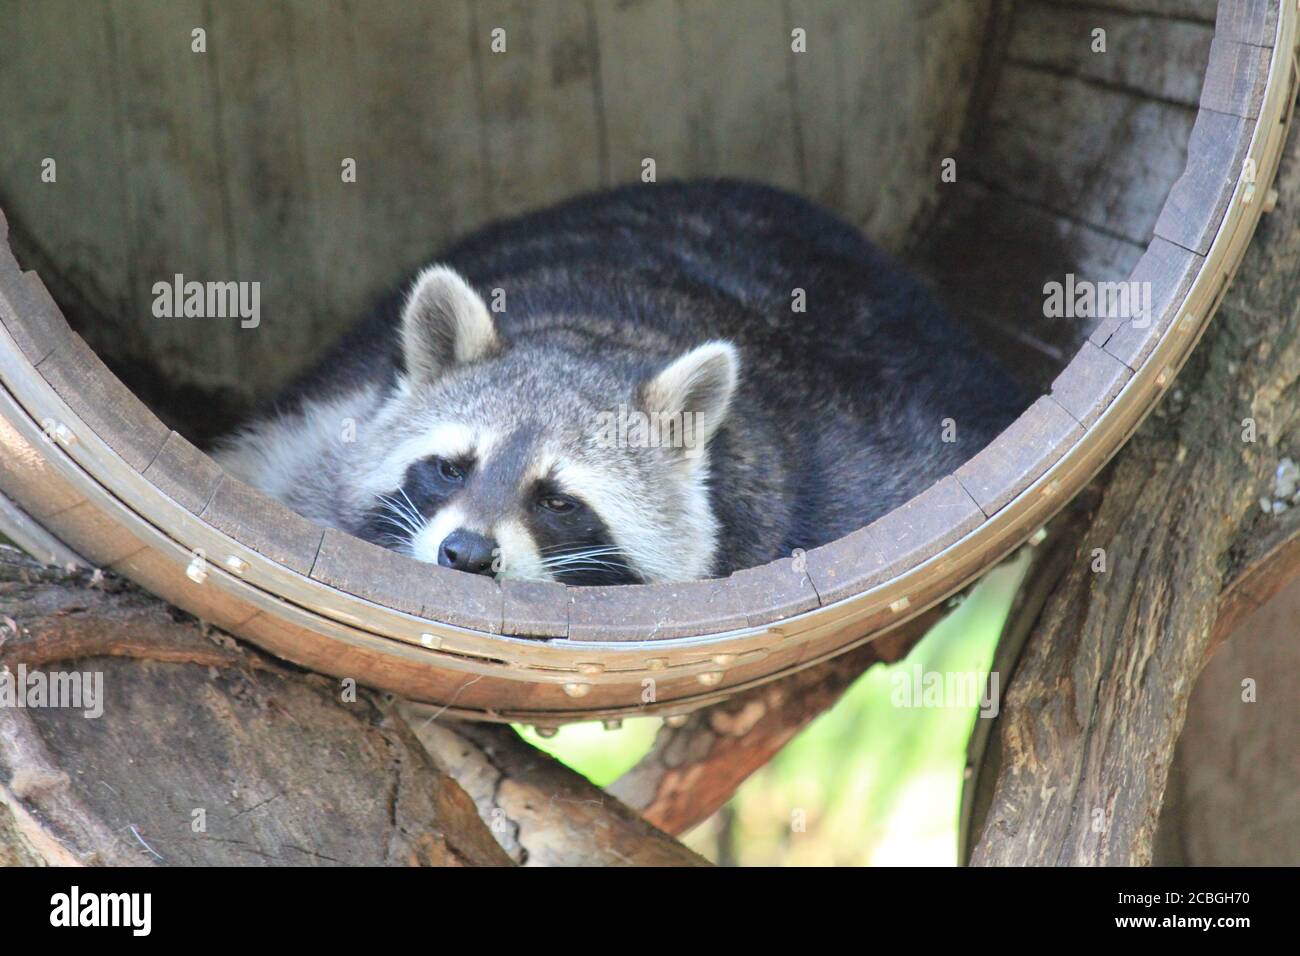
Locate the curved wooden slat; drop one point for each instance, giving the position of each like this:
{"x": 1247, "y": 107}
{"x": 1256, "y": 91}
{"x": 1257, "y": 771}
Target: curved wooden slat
{"x": 1090, "y": 383}
{"x": 130, "y": 494}
{"x": 1247, "y": 21}
{"x": 266, "y": 526}
{"x": 1020, "y": 455}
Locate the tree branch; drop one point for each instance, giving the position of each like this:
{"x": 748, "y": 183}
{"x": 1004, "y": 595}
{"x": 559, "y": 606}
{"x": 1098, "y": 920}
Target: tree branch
{"x": 208, "y": 752}
{"x": 694, "y": 768}
{"x": 1091, "y": 718}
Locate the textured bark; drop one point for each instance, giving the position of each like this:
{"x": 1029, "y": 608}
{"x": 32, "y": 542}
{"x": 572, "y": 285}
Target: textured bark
{"x": 279, "y": 765}
{"x": 540, "y": 811}
{"x": 1094, "y": 709}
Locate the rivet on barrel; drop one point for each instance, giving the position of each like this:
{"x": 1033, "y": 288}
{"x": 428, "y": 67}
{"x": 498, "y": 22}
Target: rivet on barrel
{"x": 657, "y": 663}
{"x": 612, "y": 724}
{"x": 676, "y": 720}
{"x": 724, "y": 660}
{"x": 1187, "y": 324}
{"x": 236, "y": 565}
{"x": 64, "y": 434}
{"x": 546, "y": 732}
{"x": 577, "y": 689}
{"x": 591, "y": 668}
{"x": 431, "y": 640}
{"x": 710, "y": 678}
{"x": 197, "y": 571}
{"x": 900, "y": 605}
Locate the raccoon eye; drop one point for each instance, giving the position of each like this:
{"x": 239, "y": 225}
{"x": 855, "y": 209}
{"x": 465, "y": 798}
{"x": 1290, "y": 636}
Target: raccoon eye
{"x": 558, "y": 504}
{"x": 448, "y": 471}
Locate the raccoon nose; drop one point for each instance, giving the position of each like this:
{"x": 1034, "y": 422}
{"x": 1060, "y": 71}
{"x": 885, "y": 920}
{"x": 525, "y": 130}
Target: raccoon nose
{"x": 467, "y": 551}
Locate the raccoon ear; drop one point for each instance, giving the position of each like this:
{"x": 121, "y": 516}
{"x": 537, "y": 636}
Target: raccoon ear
{"x": 444, "y": 323}
{"x": 700, "y": 383}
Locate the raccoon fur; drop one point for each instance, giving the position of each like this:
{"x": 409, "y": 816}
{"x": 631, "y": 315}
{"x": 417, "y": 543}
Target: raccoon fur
{"x": 662, "y": 382}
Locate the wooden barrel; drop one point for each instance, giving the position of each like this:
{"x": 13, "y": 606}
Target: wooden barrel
{"x": 324, "y": 150}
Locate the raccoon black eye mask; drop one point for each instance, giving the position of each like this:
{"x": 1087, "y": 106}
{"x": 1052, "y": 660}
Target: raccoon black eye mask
{"x": 659, "y": 383}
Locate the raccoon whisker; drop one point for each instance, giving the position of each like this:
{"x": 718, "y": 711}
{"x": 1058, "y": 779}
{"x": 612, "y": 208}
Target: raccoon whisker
{"x": 405, "y": 510}
{"x": 563, "y": 573}
{"x": 398, "y": 543}
{"x": 586, "y": 564}
{"x": 589, "y": 553}
{"x": 413, "y": 511}
{"x": 402, "y": 516}
{"x": 593, "y": 552}
{"x": 570, "y": 549}
{"x": 400, "y": 523}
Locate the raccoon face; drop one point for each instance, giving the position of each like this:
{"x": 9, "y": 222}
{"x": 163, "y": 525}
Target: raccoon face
{"x": 543, "y": 458}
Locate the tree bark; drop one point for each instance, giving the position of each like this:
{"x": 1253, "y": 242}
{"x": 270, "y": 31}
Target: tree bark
{"x": 541, "y": 812}
{"x": 1234, "y": 786}
{"x": 1095, "y": 706}
{"x": 208, "y": 752}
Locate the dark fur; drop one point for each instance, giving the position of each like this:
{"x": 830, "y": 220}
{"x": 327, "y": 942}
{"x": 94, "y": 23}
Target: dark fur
{"x": 838, "y": 417}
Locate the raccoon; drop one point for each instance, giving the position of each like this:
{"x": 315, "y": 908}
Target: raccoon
{"x": 657, "y": 383}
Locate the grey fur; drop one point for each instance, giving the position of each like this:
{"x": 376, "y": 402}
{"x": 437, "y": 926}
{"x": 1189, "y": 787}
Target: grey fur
{"x": 674, "y": 298}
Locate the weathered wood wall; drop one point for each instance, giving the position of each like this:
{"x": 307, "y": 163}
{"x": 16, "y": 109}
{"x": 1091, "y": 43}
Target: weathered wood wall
{"x": 1067, "y": 162}
{"x": 227, "y": 164}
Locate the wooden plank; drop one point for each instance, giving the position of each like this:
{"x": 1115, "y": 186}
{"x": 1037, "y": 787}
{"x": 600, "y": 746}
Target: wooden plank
{"x": 643, "y": 70}
{"x": 1020, "y": 455}
{"x": 28, "y": 478}
{"x": 1196, "y": 203}
{"x": 92, "y": 534}
{"x": 1235, "y": 78}
{"x": 1248, "y": 21}
{"x": 373, "y": 573}
{"x": 1149, "y": 55}
{"x": 1201, "y": 10}
{"x": 773, "y": 592}
{"x": 175, "y": 181}
{"x": 656, "y": 612}
{"x": 991, "y": 257}
{"x": 1089, "y": 383}
{"x": 535, "y": 609}
{"x": 95, "y": 396}
{"x": 268, "y": 197}
{"x": 847, "y": 567}
{"x": 168, "y": 579}
{"x": 399, "y": 84}
{"x": 263, "y": 524}
{"x": 1170, "y": 270}
{"x": 71, "y": 115}
{"x": 538, "y": 101}
{"x": 19, "y": 528}
{"x": 464, "y": 600}
{"x": 879, "y": 167}
{"x": 29, "y": 312}
{"x": 368, "y": 661}
{"x": 739, "y": 115}
{"x": 184, "y": 474}
{"x": 1102, "y": 156}
{"x": 332, "y": 48}
{"x": 926, "y": 525}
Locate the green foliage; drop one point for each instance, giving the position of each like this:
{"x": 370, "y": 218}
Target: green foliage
{"x": 600, "y": 755}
